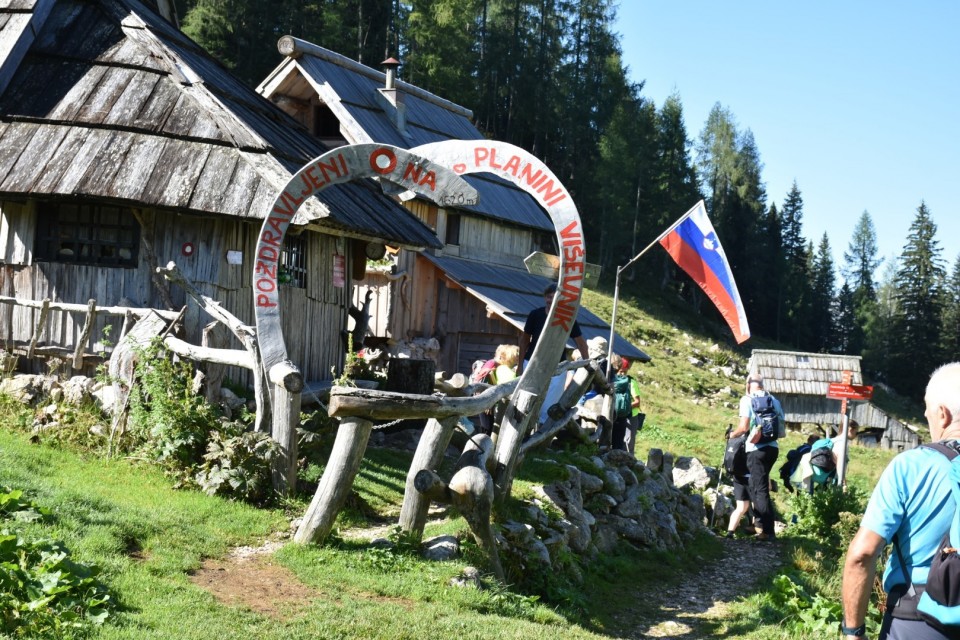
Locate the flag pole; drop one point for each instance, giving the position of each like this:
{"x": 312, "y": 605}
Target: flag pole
{"x": 620, "y": 270}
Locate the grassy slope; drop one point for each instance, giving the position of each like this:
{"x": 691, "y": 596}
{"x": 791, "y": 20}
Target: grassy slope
{"x": 148, "y": 537}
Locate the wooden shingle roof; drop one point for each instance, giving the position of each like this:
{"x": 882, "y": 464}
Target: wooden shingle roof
{"x": 105, "y": 99}
{"x": 805, "y": 374}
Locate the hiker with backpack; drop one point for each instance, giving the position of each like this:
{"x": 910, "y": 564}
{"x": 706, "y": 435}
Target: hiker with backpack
{"x": 532, "y": 328}
{"x": 913, "y": 506}
{"x": 794, "y": 456}
{"x": 622, "y": 404}
{"x": 761, "y": 417}
{"x": 500, "y": 369}
{"x": 822, "y": 462}
{"x": 735, "y": 464}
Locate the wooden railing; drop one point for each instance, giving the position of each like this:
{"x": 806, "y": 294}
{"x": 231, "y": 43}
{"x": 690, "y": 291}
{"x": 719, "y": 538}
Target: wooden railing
{"x": 32, "y": 348}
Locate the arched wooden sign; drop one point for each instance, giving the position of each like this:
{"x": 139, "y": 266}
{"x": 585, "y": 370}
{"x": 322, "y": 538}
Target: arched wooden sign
{"x": 343, "y": 164}
{"x": 530, "y": 174}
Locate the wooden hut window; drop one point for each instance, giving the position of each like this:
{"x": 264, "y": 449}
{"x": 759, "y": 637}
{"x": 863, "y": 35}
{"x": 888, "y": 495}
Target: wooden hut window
{"x": 87, "y": 234}
{"x": 452, "y": 235}
{"x": 293, "y": 262}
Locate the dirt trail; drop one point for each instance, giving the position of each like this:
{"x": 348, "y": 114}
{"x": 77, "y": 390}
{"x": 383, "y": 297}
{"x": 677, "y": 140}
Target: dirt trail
{"x": 694, "y": 608}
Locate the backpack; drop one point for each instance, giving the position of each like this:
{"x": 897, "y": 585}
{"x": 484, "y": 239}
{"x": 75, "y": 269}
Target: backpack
{"x": 765, "y": 417}
{"x": 822, "y": 460}
{"x": 735, "y": 456}
{"x": 481, "y": 369}
{"x": 621, "y": 396}
{"x": 940, "y": 602}
{"x": 793, "y": 459}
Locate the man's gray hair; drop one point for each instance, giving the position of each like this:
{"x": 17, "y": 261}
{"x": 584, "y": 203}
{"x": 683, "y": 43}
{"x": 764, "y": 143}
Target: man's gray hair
{"x": 755, "y": 378}
{"x": 944, "y": 389}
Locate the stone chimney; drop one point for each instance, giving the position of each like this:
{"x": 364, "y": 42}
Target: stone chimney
{"x": 391, "y": 98}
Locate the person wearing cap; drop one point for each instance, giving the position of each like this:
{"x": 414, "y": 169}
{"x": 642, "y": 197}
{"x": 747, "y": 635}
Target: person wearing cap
{"x": 532, "y": 328}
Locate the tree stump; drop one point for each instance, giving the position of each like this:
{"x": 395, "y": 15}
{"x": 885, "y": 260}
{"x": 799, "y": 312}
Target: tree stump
{"x": 407, "y": 375}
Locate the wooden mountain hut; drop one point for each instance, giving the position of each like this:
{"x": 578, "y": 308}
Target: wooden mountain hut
{"x": 474, "y": 292}
{"x": 800, "y": 381}
{"x": 124, "y": 146}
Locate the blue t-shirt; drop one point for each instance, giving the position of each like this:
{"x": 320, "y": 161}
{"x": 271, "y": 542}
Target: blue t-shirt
{"x": 913, "y": 500}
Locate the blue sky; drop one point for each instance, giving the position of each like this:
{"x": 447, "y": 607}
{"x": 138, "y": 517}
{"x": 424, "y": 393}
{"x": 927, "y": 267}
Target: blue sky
{"x": 859, "y": 102}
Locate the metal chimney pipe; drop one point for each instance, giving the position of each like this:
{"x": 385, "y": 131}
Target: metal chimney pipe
{"x": 390, "y": 68}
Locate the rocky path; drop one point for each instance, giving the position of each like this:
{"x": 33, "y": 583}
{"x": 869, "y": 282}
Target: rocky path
{"x": 696, "y": 607}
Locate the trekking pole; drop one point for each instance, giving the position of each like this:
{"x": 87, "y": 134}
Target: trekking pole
{"x": 716, "y": 501}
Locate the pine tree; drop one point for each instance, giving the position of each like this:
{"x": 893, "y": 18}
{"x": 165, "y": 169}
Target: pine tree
{"x": 951, "y": 314}
{"x": 919, "y": 285}
{"x": 822, "y": 298}
{"x": 845, "y": 323}
{"x": 880, "y": 325}
{"x": 794, "y": 309}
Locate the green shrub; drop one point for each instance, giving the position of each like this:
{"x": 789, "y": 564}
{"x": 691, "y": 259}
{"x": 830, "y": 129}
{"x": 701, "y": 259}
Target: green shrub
{"x": 819, "y": 513}
{"x": 172, "y": 422}
{"x": 237, "y": 464}
{"x": 13, "y": 505}
{"x": 43, "y": 593}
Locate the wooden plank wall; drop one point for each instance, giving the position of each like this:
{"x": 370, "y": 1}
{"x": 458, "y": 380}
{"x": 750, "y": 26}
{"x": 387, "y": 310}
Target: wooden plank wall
{"x": 312, "y": 318}
{"x": 486, "y": 240}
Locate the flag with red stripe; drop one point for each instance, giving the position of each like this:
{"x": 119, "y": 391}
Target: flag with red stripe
{"x": 693, "y": 245}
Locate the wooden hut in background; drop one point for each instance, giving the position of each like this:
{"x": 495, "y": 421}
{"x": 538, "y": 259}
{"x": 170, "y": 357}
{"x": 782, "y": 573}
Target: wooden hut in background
{"x": 123, "y": 146}
{"x": 800, "y": 381}
{"x": 472, "y": 293}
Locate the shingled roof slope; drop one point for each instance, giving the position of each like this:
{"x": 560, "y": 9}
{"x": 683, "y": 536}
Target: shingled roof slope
{"x": 110, "y": 101}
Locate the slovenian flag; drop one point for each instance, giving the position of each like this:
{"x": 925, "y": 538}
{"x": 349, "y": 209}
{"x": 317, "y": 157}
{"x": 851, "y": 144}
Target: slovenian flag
{"x": 693, "y": 245}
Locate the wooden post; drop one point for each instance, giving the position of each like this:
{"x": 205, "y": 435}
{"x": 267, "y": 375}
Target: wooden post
{"x": 513, "y": 428}
{"x": 429, "y": 455}
{"x": 41, "y": 327}
{"x": 337, "y": 480}
{"x": 288, "y": 383}
{"x": 214, "y": 373}
{"x": 85, "y": 334}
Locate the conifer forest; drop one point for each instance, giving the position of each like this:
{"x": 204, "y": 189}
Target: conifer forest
{"x": 547, "y": 75}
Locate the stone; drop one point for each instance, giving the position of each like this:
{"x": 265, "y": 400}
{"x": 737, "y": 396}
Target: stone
{"x": 613, "y": 483}
{"x": 690, "y": 472}
{"x": 655, "y": 459}
{"x": 441, "y": 548}
{"x": 78, "y": 390}
{"x": 590, "y": 483}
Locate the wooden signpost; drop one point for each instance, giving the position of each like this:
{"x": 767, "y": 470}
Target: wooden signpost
{"x": 548, "y": 266}
{"x": 844, "y": 391}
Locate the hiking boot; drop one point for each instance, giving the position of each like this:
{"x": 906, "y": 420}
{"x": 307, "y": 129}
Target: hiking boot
{"x": 767, "y": 537}
{"x": 729, "y": 535}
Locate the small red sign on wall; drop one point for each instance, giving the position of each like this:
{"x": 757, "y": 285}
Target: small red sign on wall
{"x": 339, "y": 271}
